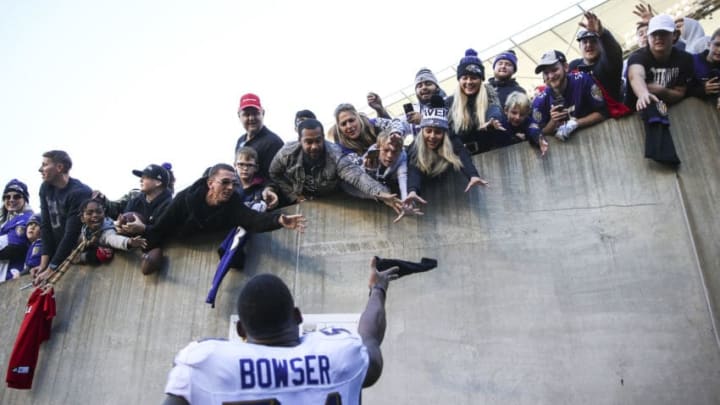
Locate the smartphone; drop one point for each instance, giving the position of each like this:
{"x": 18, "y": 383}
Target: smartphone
{"x": 373, "y": 154}
{"x": 408, "y": 107}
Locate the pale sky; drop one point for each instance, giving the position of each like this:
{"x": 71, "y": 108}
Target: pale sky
{"x": 119, "y": 85}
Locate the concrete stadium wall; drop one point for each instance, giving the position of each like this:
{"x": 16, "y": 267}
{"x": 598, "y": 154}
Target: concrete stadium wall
{"x": 584, "y": 277}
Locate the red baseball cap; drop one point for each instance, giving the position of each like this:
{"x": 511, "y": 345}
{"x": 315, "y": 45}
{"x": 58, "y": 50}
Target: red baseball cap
{"x": 250, "y": 100}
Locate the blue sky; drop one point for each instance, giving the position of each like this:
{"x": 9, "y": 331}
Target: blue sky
{"x": 119, "y": 85}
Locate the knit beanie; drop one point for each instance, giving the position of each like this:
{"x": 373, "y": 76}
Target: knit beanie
{"x": 470, "y": 64}
{"x": 509, "y": 56}
{"x": 18, "y": 187}
{"x": 435, "y": 114}
{"x": 425, "y": 75}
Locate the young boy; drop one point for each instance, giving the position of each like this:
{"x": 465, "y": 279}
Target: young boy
{"x": 92, "y": 216}
{"x": 34, "y": 252}
{"x": 518, "y": 125}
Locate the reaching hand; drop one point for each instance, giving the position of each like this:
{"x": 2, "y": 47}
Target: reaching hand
{"x": 374, "y": 101}
{"x": 644, "y": 101}
{"x": 296, "y": 221}
{"x": 409, "y": 207}
{"x": 592, "y": 23}
{"x": 645, "y": 13}
{"x": 391, "y": 200}
{"x": 475, "y": 181}
{"x": 137, "y": 242}
{"x": 270, "y": 197}
{"x": 493, "y": 123}
{"x": 382, "y": 278}
{"x": 543, "y": 145}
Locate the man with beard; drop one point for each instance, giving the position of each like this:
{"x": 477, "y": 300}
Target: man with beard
{"x": 314, "y": 167}
{"x": 504, "y": 67}
{"x": 212, "y": 203}
{"x": 571, "y": 100}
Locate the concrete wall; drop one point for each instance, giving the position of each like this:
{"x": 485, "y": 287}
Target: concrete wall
{"x": 577, "y": 278}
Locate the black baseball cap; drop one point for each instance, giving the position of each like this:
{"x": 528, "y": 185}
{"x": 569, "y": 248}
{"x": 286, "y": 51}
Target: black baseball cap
{"x": 153, "y": 172}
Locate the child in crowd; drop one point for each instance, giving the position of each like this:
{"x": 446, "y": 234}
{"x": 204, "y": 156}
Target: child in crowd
{"x": 34, "y": 253}
{"x": 386, "y": 162}
{"x": 99, "y": 231}
{"x": 518, "y": 125}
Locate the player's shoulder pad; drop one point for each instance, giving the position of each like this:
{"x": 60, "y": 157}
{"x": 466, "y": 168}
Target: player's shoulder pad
{"x": 198, "y": 351}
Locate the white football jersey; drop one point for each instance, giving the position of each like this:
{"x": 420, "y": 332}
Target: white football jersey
{"x": 327, "y": 367}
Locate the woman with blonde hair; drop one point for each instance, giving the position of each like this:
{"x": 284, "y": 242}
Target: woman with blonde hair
{"x": 435, "y": 152}
{"x": 474, "y": 107}
{"x": 355, "y": 132}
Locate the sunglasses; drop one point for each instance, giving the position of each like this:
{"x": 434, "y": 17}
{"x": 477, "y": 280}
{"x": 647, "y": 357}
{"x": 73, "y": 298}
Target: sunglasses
{"x": 7, "y": 197}
{"x": 228, "y": 182}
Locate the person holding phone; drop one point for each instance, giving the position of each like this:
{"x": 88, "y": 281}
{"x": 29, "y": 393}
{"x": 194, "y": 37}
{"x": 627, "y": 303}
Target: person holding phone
{"x": 707, "y": 72}
{"x": 571, "y": 100}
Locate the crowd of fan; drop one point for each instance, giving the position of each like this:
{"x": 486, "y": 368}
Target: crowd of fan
{"x": 384, "y": 158}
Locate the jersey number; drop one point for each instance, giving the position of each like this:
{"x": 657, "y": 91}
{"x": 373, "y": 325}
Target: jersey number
{"x": 333, "y": 398}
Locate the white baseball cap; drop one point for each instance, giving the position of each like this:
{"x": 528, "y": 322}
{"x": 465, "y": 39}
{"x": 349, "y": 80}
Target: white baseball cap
{"x": 661, "y": 22}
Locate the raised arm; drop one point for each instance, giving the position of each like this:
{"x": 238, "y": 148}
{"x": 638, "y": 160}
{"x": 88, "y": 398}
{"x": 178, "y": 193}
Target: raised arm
{"x": 372, "y": 321}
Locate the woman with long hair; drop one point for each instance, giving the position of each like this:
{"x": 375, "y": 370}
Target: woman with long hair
{"x": 435, "y": 152}
{"x": 14, "y": 216}
{"x": 355, "y": 132}
{"x": 474, "y": 108}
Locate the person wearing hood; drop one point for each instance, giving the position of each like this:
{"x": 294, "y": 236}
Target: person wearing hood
{"x": 14, "y": 217}
{"x": 706, "y": 81}
{"x": 504, "y": 67}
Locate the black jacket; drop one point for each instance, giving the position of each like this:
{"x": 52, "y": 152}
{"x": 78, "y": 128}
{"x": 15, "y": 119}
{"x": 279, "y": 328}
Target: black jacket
{"x": 189, "y": 214}
{"x": 608, "y": 69}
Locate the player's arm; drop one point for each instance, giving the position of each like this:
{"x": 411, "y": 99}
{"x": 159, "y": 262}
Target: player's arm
{"x": 372, "y": 321}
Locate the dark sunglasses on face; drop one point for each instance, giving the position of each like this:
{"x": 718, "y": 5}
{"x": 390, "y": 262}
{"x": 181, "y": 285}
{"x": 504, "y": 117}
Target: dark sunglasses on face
{"x": 12, "y": 197}
{"x": 227, "y": 182}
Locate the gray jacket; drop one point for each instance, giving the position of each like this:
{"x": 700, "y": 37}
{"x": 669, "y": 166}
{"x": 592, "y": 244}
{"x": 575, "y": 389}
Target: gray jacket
{"x": 288, "y": 175}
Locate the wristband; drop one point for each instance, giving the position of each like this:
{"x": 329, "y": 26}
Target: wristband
{"x": 379, "y": 287}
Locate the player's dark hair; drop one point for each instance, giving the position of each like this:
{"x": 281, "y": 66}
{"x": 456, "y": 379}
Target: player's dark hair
{"x": 265, "y": 305}
{"x": 59, "y": 157}
{"x": 220, "y": 166}
{"x": 309, "y": 123}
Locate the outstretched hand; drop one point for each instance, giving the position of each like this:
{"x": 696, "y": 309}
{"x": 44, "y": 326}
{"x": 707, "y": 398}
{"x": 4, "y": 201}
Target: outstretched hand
{"x": 644, "y": 12}
{"x": 297, "y": 222}
{"x": 374, "y": 101}
{"x": 475, "y": 181}
{"x": 494, "y": 124}
{"x": 591, "y": 23}
{"x": 543, "y": 143}
{"x": 382, "y": 278}
{"x": 409, "y": 206}
{"x": 391, "y": 200}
